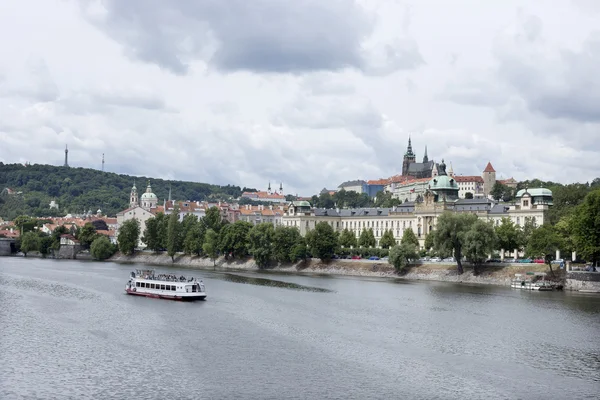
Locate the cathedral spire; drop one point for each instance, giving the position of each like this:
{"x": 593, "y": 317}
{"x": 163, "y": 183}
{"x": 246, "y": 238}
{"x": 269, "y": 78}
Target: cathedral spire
{"x": 425, "y": 158}
{"x": 409, "y": 150}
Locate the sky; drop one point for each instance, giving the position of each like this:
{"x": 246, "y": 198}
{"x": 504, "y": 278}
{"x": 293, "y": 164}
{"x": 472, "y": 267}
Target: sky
{"x": 310, "y": 93}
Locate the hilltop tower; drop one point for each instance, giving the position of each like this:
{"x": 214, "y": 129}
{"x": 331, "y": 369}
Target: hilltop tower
{"x": 66, "y": 156}
{"x": 425, "y": 158}
{"x": 489, "y": 179}
{"x": 102, "y": 162}
{"x": 133, "y": 197}
{"x": 281, "y": 188}
{"x": 409, "y": 158}
{"x": 269, "y": 188}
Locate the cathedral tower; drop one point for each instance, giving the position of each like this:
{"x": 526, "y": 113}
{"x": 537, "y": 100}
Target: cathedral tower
{"x": 489, "y": 179}
{"x": 133, "y": 197}
{"x": 409, "y": 158}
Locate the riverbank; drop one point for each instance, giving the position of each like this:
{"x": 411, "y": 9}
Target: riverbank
{"x": 500, "y": 275}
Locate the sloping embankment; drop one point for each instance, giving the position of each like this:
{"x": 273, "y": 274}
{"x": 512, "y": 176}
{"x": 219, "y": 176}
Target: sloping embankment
{"x": 492, "y": 275}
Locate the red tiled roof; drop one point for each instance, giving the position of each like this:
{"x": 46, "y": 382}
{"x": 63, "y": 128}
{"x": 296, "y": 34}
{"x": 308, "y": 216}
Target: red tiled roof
{"x": 7, "y": 233}
{"x": 489, "y": 168}
{"x": 378, "y": 182}
{"x": 407, "y": 179}
{"x": 473, "y": 178}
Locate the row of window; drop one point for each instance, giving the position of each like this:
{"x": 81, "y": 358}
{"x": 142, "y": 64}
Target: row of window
{"x": 149, "y": 285}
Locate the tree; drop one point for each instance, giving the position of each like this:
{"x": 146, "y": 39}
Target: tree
{"x": 86, "y": 235}
{"x": 323, "y": 241}
{"x": 25, "y": 223}
{"x": 46, "y": 243}
{"x": 213, "y": 220}
{"x": 509, "y": 235}
{"x": 128, "y": 236}
{"x": 29, "y": 242}
{"x": 347, "y": 239}
{"x": 155, "y": 233}
{"x": 408, "y": 236}
{"x": 260, "y": 239}
{"x": 102, "y": 248}
{"x": 586, "y": 227}
{"x": 450, "y": 235}
{"x": 173, "y": 233}
{"x": 233, "y": 239}
{"x": 367, "y": 238}
{"x": 194, "y": 239}
{"x": 500, "y": 191}
{"x": 429, "y": 241}
{"x": 299, "y": 250}
{"x": 468, "y": 195}
{"x": 284, "y": 240}
{"x": 211, "y": 245}
{"x": 480, "y": 240}
{"x": 544, "y": 242}
{"x": 401, "y": 255}
{"x": 387, "y": 239}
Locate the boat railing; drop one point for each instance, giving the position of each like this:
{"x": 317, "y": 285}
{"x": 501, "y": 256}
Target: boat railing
{"x": 149, "y": 275}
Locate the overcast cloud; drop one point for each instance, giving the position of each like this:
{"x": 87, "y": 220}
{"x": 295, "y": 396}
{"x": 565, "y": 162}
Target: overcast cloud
{"x": 308, "y": 92}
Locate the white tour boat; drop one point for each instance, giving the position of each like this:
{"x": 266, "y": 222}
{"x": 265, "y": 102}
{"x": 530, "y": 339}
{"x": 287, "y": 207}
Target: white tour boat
{"x": 164, "y": 286}
{"x": 528, "y": 284}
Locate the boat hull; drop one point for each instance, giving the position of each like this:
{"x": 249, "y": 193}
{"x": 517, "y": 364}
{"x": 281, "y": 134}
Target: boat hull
{"x": 178, "y": 297}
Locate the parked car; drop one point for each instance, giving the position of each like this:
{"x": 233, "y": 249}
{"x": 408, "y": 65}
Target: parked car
{"x": 356, "y": 257}
{"x": 384, "y": 258}
{"x": 373, "y": 258}
{"x": 559, "y": 261}
{"x": 539, "y": 261}
{"x": 525, "y": 260}
{"x": 579, "y": 261}
{"x": 436, "y": 259}
{"x": 492, "y": 260}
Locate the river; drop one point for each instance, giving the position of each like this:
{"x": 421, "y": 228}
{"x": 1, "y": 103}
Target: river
{"x": 69, "y": 331}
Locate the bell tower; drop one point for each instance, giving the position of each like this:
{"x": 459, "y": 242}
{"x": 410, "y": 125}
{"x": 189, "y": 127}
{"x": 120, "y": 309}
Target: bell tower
{"x": 409, "y": 158}
{"x": 133, "y": 197}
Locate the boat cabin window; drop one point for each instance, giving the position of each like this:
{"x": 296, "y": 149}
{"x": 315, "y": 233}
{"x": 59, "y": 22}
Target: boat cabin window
{"x": 162, "y": 287}
{"x": 152, "y": 286}
{"x": 137, "y": 284}
{"x": 142, "y": 284}
{"x": 194, "y": 288}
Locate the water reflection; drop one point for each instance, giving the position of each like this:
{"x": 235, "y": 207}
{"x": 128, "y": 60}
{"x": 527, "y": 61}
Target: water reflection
{"x": 270, "y": 282}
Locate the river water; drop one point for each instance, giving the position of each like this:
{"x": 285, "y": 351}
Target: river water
{"x": 69, "y": 331}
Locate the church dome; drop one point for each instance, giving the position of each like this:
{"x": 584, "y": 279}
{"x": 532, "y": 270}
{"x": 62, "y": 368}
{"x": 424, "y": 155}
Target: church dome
{"x": 535, "y": 192}
{"x": 149, "y": 196}
{"x": 443, "y": 182}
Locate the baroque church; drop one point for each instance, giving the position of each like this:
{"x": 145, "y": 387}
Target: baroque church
{"x": 411, "y": 168}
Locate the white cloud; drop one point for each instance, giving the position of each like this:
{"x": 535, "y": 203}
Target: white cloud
{"x": 310, "y": 93}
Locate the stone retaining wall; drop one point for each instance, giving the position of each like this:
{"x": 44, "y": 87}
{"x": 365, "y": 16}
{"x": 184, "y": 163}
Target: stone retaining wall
{"x": 583, "y": 281}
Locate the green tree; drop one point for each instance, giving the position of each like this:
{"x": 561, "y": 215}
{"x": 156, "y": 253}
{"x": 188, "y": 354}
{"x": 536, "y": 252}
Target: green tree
{"x": 367, "y": 238}
{"x": 152, "y": 234}
{"x": 299, "y": 251}
{"x": 102, "y": 248}
{"x": 194, "y": 239}
{"x": 233, "y": 239}
{"x": 544, "y": 242}
{"x": 25, "y": 223}
{"x": 46, "y": 243}
{"x": 128, "y": 236}
{"x": 284, "y": 240}
{"x": 429, "y": 241}
{"x": 211, "y": 245}
{"x": 468, "y": 195}
{"x": 86, "y": 235}
{"x": 260, "y": 240}
{"x": 323, "y": 241}
{"x": 586, "y": 227}
{"x": 450, "y": 235}
{"x": 212, "y": 219}
{"x": 500, "y": 191}
{"x": 509, "y": 235}
{"x": 347, "y": 239}
{"x": 173, "y": 233}
{"x": 402, "y": 254}
{"x": 480, "y": 241}
{"x": 408, "y": 236}
{"x": 30, "y": 241}
{"x": 387, "y": 239}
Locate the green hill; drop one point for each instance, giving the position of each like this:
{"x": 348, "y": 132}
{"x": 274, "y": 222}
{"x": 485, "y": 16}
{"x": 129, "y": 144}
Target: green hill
{"x": 81, "y": 189}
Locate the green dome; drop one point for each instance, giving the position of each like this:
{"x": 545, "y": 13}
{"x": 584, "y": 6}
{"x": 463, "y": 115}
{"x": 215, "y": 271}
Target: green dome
{"x": 536, "y": 192}
{"x": 443, "y": 182}
{"x": 149, "y": 196}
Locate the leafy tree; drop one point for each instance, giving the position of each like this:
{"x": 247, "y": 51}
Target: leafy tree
{"x": 401, "y": 255}
{"x": 348, "y": 239}
{"x": 29, "y": 242}
{"x": 173, "y": 233}
{"x": 480, "y": 241}
{"x": 565, "y": 198}
{"x": 128, "y": 236}
{"x": 25, "y": 223}
{"x": 46, "y": 243}
{"x": 586, "y": 227}
{"x": 189, "y": 220}
{"x": 468, "y": 195}
{"x": 526, "y": 231}
{"x": 260, "y": 239}
{"x": 194, "y": 239}
{"x": 367, "y": 238}
{"x": 544, "y": 242}
{"x": 212, "y": 219}
{"x": 233, "y": 239}
{"x": 450, "y": 235}
{"x": 500, "y": 191}
{"x": 408, "y": 236}
{"x": 299, "y": 250}
{"x": 284, "y": 239}
{"x": 386, "y": 200}
{"x": 323, "y": 241}
{"x": 102, "y": 248}
{"x": 153, "y": 234}
{"x": 429, "y": 241}
{"x": 387, "y": 239}
{"x": 564, "y": 229}
{"x": 86, "y": 235}
{"x": 211, "y": 245}
{"x": 509, "y": 235}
